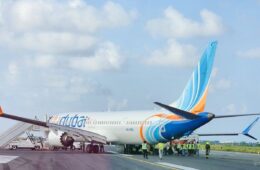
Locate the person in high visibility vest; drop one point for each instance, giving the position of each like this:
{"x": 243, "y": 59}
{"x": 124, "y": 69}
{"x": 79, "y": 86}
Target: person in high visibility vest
{"x": 192, "y": 148}
{"x": 197, "y": 146}
{"x": 179, "y": 148}
{"x": 145, "y": 149}
{"x": 185, "y": 149}
{"x": 160, "y": 147}
{"x": 189, "y": 148}
{"x": 207, "y": 147}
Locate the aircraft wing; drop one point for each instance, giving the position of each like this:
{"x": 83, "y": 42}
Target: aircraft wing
{"x": 244, "y": 132}
{"x": 87, "y": 135}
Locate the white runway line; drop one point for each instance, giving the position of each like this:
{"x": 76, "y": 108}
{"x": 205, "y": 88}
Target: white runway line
{"x": 6, "y": 159}
{"x": 112, "y": 152}
{"x": 118, "y": 153}
{"x": 176, "y": 166}
{"x": 126, "y": 155}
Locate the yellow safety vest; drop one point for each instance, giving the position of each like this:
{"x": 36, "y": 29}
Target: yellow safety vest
{"x": 179, "y": 146}
{"x": 144, "y": 145}
{"x": 185, "y": 146}
{"x": 189, "y": 146}
{"x": 160, "y": 146}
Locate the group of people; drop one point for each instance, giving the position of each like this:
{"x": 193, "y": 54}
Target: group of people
{"x": 146, "y": 149}
{"x": 188, "y": 148}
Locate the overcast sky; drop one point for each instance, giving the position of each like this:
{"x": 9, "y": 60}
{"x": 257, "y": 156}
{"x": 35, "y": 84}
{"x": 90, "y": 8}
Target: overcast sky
{"x": 65, "y": 56}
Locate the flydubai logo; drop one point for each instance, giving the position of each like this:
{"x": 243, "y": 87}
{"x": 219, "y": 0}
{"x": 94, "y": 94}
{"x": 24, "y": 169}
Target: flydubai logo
{"x": 73, "y": 121}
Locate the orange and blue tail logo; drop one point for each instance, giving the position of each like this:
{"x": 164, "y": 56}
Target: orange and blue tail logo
{"x": 193, "y": 98}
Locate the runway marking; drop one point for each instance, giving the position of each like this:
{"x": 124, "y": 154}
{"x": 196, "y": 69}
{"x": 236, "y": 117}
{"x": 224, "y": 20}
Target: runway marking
{"x": 176, "y": 166}
{"x": 147, "y": 162}
{"x": 6, "y": 159}
{"x": 126, "y": 155}
{"x": 112, "y": 152}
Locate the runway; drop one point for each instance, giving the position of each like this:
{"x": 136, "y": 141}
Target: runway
{"x": 76, "y": 160}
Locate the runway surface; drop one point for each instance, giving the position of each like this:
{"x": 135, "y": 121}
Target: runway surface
{"x": 76, "y": 160}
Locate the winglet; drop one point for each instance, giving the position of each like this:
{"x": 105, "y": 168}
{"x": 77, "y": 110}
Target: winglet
{"x": 246, "y": 131}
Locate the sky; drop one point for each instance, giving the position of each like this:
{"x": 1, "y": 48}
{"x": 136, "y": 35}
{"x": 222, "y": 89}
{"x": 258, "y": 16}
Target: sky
{"x": 69, "y": 56}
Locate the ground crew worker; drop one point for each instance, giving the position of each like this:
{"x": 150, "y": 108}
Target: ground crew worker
{"x": 160, "y": 147}
{"x": 207, "y": 147}
{"x": 179, "y": 148}
{"x": 144, "y": 149}
{"x": 189, "y": 148}
{"x": 192, "y": 148}
{"x": 184, "y": 149}
{"x": 198, "y": 148}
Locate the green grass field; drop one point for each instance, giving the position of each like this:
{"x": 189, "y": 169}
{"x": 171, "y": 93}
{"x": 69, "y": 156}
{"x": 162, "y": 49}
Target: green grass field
{"x": 234, "y": 148}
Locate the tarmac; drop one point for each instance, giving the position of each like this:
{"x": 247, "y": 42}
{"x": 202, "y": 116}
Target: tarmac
{"x": 76, "y": 160}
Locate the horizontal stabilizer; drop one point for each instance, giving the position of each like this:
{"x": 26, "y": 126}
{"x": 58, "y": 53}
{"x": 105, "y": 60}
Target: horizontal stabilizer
{"x": 245, "y": 132}
{"x": 226, "y": 116}
{"x": 218, "y": 134}
{"x": 182, "y": 113}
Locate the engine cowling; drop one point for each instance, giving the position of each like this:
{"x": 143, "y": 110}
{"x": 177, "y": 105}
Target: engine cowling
{"x": 60, "y": 139}
{"x": 66, "y": 140}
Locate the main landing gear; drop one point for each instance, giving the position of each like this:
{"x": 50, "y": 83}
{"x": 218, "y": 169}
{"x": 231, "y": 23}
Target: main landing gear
{"x": 93, "y": 148}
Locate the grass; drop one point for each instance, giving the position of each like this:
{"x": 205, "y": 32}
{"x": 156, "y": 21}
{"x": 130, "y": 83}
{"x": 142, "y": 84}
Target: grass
{"x": 234, "y": 148}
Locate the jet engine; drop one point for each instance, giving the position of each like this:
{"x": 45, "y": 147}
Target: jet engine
{"x": 66, "y": 140}
{"x": 60, "y": 139}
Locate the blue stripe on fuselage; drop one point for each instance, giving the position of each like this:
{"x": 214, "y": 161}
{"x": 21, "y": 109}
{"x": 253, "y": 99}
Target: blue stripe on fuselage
{"x": 177, "y": 129}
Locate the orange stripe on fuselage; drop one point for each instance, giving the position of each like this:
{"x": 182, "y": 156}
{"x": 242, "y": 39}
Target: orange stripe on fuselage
{"x": 199, "y": 107}
{"x": 161, "y": 115}
{"x": 1, "y": 111}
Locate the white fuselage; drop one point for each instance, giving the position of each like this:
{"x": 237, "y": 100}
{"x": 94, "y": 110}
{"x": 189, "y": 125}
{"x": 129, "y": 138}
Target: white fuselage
{"x": 119, "y": 127}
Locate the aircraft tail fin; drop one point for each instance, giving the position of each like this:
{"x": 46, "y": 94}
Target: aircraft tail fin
{"x": 193, "y": 97}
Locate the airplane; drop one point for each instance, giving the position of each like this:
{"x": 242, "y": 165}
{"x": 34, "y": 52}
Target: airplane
{"x": 173, "y": 121}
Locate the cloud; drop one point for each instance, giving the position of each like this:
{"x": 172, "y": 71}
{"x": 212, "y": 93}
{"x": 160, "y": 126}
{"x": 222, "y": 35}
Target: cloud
{"x": 234, "y": 109}
{"x": 106, "y": 57}
{"x": 175, "y": 25}
{"x": 67, "y": 16}
{"x": 62, "y": 32}
{"x": 50, "y": 42}
{"x": 214, "y": 72}
{"x": 115, "y": 105}
{"x": 253, "y": 53}
{"x": 41, "y": 61}
{"x": 174, "y": 54}
{"x": 12, "y": 73}
{"x": 222, "y": 84}
{"x": 219, "y": 84}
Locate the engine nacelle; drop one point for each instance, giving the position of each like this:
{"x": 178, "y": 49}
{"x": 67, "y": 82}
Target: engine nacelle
{"x": 66, "y": 140}
{"x": 60, "y": 139}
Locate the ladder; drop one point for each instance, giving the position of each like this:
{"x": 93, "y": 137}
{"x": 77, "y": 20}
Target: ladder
{"x": 13, "y": 132}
